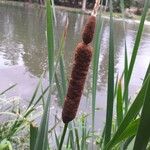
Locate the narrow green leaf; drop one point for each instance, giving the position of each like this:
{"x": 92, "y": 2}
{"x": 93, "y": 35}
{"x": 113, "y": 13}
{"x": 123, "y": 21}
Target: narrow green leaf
{"x": 131, "y": 114}
{"x": 34, "y": 94}
{"x": 110, "y": 89}
{"x": 147, "y": 73}
{"x": 127, "y": 142}
{"x": 129, "y": 131}
{"x": 8, "y": 89}
{"x": 98, "y": 38}
{"x": 60, "y": 93}
{"x": 119, "y": 104}
{"x": 126, "y": 86}
{"x": 143, "y": 134}
{"x": 33, "y": 135}
{"x": 40, "y": 97}
{"x": 77, "y": 137}
{"x": 42, "y": 136}
{"x": 71, "y": 136}
{"x": 137, "y": 43}
{"x": 50, "y": 38}
{"x": 56, "y": 139}
{"x": 63, "y": 75}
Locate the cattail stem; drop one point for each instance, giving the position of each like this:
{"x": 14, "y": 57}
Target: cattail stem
{"x": 63, "y": 136}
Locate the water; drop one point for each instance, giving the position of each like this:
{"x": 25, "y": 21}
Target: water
{"x": 23, "y": 52}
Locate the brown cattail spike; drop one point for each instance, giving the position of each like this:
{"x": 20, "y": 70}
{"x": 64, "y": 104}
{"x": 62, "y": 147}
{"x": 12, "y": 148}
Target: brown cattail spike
{"x": 89, "y": 29}
{"x": 83, "y": 55}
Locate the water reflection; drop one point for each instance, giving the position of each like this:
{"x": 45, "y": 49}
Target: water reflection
{"x": 23, "y": 43}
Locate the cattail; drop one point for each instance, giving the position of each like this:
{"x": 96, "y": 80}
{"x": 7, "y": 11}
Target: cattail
{"x": 88, "y": 31}
{"x": 83, "y": 55}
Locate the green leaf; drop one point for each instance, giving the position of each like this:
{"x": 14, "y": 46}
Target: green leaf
{"x": 131, "y": 114}
{"x": 8, "y": 89}
{"x": 119, "y": 104}
{"x": 34, "y": 94}
{"x": 59, "y": 89}
{"x": 130, "y": 131}
{"x": 33, "y": 135}
{"x": 56, "y": 139}
{"x": 110, "y": 89}
{"x": 77, "y": 137}
{"x": 98, "y": 38}
{"x": 137, "y": 43}
{"x": 42, "y": 136}
{"x": 143, "y": 134}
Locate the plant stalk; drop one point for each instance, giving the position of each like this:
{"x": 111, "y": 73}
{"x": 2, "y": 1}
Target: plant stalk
{"x": 63, "y": 136}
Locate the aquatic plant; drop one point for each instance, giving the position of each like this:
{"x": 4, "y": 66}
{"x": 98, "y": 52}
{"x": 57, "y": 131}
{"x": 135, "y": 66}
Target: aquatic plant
{"x": 123, "y": 128}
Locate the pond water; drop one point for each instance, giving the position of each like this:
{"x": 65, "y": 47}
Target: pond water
{"x": 23, "y": 52}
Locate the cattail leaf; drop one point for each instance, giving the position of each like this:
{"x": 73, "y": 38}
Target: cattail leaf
{"x": 130, "y": 131}
{"x": 33, "y": 135}
{"x": 125, "y": 58}
{"x": 97, "y": 43}
{"x": 126, "y": 86}
{"x": 137, "y": 43}
{"x": 110, "y": 88}
{"x": 143, "y": 134}
{"x": 119, "y": 104}
{"x": 63, "y": 75}
{"x": 147, "y": 73}
{"x": 131, "y": 114}
{"x": 42, "y": 136}
{"x": 59, "y": 89}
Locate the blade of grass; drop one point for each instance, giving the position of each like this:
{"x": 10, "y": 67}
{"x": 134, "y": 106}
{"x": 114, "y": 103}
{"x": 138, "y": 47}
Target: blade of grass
{"x": 143, "y": 134}
{"x": 34, "y": 94}
{"x": 40, "y": 97}
{"x": 110, "y": 89}
{"x": 8, "y": 89}
{"x": 56, "y": 139}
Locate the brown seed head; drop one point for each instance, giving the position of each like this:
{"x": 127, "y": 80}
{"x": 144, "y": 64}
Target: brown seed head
{"x": 89, "y": 29}
{"x": 83, "y": 55}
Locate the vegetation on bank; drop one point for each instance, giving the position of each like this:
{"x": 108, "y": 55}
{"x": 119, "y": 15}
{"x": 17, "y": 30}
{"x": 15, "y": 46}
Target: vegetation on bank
{"x": 133, "y": 12}
{"x": 127, "y": 119}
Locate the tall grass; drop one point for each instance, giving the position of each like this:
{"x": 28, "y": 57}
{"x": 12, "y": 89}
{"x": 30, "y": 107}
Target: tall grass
{"x": 127, "y": 126}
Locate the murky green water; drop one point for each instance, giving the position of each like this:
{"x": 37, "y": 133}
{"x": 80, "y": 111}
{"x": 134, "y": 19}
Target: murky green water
{"x": 23, "y": 51}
